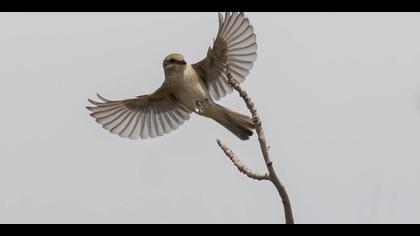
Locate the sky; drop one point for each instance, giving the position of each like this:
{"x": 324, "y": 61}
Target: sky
{"x": 338, "y": 93}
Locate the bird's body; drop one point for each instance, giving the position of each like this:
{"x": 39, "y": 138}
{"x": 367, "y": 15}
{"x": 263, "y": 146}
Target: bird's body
{"x": 189, "y": 88}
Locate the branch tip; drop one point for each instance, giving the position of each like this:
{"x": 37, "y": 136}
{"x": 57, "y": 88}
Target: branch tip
{"x": 241, "y": 166}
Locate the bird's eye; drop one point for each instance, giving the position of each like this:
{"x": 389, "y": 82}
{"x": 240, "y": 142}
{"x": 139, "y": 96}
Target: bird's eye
{"x": 174, "y": 61}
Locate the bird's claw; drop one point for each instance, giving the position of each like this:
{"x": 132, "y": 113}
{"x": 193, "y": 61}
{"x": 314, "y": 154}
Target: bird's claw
{"x": 201, "y": 106}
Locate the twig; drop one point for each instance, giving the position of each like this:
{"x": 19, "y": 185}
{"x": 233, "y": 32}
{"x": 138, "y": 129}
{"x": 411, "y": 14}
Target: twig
{"x": 271, "y": 176}
{"x": 241, "y": 167}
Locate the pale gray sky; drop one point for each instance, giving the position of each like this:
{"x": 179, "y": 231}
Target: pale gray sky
{"x": 339, "y": 94}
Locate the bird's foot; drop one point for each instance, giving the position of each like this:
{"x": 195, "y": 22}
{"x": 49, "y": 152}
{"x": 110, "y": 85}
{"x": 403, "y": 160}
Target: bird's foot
{"x": 201, "y": 106}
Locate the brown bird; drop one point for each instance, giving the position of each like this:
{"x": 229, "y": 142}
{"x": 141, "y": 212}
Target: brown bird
{"x": 189, "y": 88}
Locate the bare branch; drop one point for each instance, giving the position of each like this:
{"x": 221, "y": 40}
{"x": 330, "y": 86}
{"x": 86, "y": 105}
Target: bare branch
{"x": 241, "y": 166}
{"x": 271, "y": 176}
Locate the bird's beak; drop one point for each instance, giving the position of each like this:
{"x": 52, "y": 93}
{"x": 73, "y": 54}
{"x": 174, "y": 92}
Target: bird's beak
{"x": 169, "y": 66}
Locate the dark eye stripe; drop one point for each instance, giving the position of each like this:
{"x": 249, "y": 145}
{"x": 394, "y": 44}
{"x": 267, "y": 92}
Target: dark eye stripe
{"x": 174, "y": 61}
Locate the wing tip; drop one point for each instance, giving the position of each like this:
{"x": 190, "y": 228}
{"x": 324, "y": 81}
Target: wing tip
{"x": 102, "y": 98}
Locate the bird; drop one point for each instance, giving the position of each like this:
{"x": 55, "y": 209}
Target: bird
{"x": 189, "y": 88}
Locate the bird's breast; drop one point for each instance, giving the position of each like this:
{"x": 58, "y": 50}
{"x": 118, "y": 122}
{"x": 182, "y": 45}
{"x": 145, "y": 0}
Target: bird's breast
{"x": 190, "y": 88}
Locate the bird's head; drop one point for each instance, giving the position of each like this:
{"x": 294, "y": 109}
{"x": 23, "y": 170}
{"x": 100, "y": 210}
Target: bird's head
{"x": 174, "y": 63}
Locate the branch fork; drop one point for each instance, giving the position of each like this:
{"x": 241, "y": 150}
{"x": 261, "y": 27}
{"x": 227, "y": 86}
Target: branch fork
{"x": 271, "y": 174}
{"x": 241, "y": 166}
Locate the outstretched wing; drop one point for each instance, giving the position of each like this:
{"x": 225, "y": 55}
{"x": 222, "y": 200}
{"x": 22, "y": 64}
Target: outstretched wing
{"x": 144, "y": 116}
{"x": 235, "y": 47}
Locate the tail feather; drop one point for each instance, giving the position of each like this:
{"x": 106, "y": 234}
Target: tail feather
{"x": 237, "y": 123}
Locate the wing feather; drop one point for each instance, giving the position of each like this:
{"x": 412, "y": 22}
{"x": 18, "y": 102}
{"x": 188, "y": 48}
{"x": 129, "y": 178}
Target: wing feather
{"x": 146, "y": 116}
{"x": 235, "y": 47}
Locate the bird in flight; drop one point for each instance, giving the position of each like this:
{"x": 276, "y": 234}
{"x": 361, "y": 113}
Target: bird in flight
{"x": 188, "y": 88}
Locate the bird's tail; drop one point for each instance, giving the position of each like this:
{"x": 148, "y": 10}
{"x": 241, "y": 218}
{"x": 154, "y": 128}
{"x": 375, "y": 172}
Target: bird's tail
{"x": 237, "y": 123}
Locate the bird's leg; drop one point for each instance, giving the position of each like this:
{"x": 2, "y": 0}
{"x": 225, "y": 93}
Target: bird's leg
{"x": 201, "y": 106}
